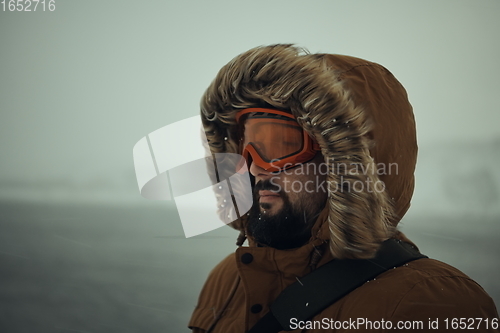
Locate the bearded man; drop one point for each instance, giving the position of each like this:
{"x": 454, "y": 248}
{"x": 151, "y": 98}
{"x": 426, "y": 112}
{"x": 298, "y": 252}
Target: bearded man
{"x": 330, "y": 142}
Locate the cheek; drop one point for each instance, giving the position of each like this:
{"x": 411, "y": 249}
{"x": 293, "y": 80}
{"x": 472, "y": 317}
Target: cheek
{"x": 299, "y": 187}
{"x": 314, "y": 186}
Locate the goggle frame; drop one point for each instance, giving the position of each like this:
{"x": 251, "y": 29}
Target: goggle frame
{"x": 309, "y": 148}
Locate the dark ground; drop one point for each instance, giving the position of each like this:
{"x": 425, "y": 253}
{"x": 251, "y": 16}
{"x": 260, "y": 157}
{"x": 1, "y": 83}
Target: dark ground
{"x": 69, "y": 268}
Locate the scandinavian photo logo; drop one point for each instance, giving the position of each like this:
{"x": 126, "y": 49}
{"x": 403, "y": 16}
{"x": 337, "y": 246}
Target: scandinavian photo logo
{"x": 175, "y": 163}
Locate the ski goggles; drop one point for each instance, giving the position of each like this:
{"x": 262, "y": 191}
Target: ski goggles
{"x": 273, "y": 139}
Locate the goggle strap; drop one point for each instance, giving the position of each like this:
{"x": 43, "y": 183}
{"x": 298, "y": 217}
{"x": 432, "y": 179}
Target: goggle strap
{"x": 272, "y": 111}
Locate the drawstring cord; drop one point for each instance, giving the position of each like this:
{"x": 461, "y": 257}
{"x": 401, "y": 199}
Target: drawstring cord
{"x": 316, "y": 256}
{"x": 241, "y": 238}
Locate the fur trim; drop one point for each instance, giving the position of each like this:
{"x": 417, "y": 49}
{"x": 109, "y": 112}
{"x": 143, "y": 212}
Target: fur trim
{"x": 288, "y": 78}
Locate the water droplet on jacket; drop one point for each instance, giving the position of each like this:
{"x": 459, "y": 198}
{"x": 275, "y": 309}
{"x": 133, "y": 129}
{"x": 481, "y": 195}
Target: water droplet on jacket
{"x": 225, "y": 138}
{"x": 224, "y": 200}
{"x": 222, "y": 205}
{"x": 220, "y": 187}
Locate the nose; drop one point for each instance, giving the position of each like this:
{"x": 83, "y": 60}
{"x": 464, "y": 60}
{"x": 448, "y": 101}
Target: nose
{"x": 258, "y": 172}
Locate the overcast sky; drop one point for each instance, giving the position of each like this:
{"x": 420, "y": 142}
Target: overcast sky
{"x": 79, "y": 86}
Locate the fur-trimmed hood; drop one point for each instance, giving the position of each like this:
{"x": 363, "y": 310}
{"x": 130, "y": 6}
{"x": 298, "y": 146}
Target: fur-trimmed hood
{"x": 358, "y": 113}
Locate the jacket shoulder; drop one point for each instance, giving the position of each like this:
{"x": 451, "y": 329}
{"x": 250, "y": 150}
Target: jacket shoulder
{"x": 439, "y": 292}
{"x": 214, "y": 293}
{"x": 422, "y": 290}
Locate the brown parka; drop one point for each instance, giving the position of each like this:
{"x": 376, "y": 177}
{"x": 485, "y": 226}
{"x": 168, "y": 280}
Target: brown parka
{"x": 360, "y": 115}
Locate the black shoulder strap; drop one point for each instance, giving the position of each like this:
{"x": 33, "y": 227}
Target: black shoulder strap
{"x": 330, "y": 282}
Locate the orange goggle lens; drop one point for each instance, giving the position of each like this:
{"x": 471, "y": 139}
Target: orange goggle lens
{"x": 273, "y": 140}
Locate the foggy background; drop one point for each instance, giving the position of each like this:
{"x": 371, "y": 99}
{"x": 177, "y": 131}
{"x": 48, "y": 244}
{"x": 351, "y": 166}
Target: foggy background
{"x": 82, "y": 251}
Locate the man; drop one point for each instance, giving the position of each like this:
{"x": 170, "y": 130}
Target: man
{"x": 330, "y": 142}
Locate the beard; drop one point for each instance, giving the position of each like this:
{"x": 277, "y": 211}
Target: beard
{"x": 289, "y": 228}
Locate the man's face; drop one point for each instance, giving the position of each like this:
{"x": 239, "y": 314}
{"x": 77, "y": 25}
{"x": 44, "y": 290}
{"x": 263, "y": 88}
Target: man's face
{"x": 286, "y": 204}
